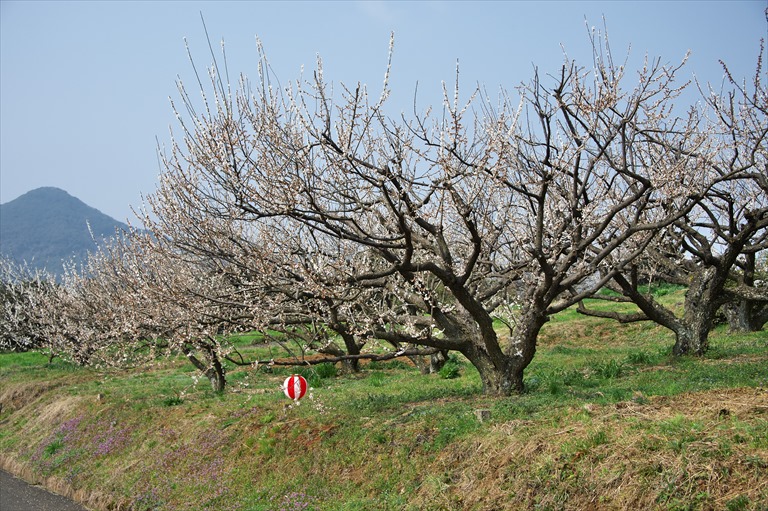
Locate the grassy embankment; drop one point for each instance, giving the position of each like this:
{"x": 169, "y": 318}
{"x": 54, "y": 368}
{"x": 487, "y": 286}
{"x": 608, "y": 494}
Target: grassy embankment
{"x": 610, "y": 421}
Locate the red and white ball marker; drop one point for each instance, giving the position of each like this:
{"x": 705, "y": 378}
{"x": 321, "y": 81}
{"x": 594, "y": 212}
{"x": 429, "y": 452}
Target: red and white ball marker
{"x": 295, "y": 386}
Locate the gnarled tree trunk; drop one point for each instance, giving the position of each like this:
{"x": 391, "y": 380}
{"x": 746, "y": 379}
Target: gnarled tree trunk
{"x": 501, "y": 371}
{"x": 213, "y": 371}
{"x": 746, "y": 316}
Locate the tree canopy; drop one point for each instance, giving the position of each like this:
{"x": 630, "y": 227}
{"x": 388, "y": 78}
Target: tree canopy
{"x": 306, "y": 211}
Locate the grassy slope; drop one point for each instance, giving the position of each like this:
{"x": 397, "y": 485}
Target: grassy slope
{"x": 610, "y": 421}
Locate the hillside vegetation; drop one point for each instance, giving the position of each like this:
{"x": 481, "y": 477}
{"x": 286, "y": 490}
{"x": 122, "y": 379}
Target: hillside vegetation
{"x": 610, "y": 420}
{"x": 47, "y": 226}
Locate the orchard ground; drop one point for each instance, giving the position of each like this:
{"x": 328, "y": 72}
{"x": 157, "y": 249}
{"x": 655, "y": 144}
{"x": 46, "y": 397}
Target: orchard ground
{"x": 610, "y": 420}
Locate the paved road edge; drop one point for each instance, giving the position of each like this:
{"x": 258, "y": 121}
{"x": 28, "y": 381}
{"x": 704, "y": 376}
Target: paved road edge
{"x": 94, "y": 501}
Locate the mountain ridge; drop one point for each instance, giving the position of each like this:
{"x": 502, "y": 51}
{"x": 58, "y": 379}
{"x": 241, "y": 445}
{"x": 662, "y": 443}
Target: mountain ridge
{"x": 47, "y": 226}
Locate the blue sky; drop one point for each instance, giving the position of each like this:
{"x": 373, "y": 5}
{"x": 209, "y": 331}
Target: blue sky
{"x": 85, "y": 86}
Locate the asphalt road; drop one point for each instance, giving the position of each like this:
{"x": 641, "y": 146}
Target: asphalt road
{"x": 18, "y": 495}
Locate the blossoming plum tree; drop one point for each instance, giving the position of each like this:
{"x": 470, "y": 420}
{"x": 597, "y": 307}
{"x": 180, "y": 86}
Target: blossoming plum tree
{"x": 22, "y": 289}
{"x": 423, "y": 230}
{"x": 713, "y": 248}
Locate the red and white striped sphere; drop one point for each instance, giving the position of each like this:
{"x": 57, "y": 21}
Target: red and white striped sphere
{"x": 295, "y": 386}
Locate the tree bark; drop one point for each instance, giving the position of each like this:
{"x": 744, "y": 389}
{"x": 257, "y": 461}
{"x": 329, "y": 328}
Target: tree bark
{"x": 502, "y": 372}
{"x": 746, "y": 316}
{"x": 215, "y": 375}
{"x": 691, "y": 340}
{"x": 213, "y": 371}
{"x": 437, "y": 361}
{"x": 351, "y": 365}
{"x": 738, "y": 315}
{"x": 499, "y": 381}
{"x": 702, "y": 300}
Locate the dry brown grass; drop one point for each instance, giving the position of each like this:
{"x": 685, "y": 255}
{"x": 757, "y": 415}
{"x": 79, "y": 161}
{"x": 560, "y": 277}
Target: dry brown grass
{"x": 19, "y": 395}
{"x": 612, "y": 457}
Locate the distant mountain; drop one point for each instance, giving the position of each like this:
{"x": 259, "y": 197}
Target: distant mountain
{"x": 47, "y": 226}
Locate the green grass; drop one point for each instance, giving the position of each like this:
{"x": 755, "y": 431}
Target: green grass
{"x": 609, "y": 419}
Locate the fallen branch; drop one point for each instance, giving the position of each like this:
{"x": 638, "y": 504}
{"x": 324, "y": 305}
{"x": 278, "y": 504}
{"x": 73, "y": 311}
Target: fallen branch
{"x": 373, "y": 357}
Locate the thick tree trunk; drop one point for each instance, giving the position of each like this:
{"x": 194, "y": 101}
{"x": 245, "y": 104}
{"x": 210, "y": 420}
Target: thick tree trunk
{"x": 350, "y": 344}
{"x": 437, "y": 361}
{"x": 702, "y": 300}
{"x": 431, "y": 366}
{"x": 738, "y": 315}
{"x": 348, "y": 365}
{"x": 351, "y": 366}
{"x": 746, "y": 316}
{"x": 215, "y": 375}
{"x": 420, "y": 362}
{"x": 213, "y": 371}
{"x": 743, "y": 313}
{"x": 502, "y": 373}
{"x": 501, "y": 381}
{"x": 760, "y": 318}
{"x": 691, "y": 340}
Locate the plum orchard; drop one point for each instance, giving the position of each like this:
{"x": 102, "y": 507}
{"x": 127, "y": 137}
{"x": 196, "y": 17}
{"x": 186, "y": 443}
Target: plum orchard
{"x": 311, "y": 213}
{"x": 421, "y": 230}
